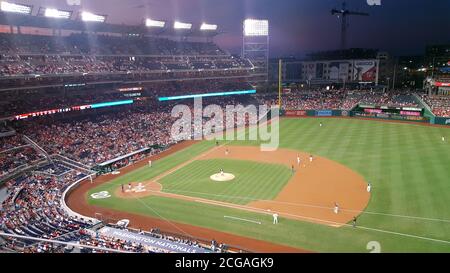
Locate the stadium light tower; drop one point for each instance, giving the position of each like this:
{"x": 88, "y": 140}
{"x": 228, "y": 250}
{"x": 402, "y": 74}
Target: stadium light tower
{"x": 255, "y": 45}
{"x": 55, "y": 13}
{"x": 91, "y": 17}
{"x": 180, "y": 25}
{"x": 154, "y": 23}
{"x": 15, "y": 8}
{"x": 208, "y": 27}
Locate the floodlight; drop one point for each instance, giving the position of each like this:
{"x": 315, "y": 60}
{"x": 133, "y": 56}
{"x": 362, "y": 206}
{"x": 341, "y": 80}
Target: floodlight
{"x": 254, "y": 27}
{"x": 16, "y": 8}
{"x": 206, "y": 26}
{"x": 154, "y": 23}
{"x": 54, "y": 13}
{"x": 180, "y": 25}
{"x": 91, "y": 17}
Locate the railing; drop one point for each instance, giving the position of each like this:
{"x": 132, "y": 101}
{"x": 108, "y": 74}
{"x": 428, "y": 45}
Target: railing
{"x": 67, "y": 209}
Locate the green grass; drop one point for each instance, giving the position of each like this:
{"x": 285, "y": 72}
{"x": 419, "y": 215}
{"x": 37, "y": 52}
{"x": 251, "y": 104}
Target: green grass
{"x": 408, "y": 166}
{"x": 253, "y": 181}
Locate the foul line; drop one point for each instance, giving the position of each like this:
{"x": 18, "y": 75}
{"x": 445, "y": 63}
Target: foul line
{"x": 312, "y": 206}
{"x": 241, "y": 219}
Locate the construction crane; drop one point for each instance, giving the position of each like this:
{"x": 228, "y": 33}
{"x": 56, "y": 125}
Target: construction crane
{"x": 343, "y": 14}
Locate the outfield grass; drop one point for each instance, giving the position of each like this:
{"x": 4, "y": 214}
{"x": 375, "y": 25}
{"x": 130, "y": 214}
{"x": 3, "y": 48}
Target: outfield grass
{"x": 408, "y": 166}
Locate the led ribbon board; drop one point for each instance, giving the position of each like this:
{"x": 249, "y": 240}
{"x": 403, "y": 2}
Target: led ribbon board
{"x": 217, "y": 94}
{"x": 69, "y": 109}
{"x": 113, "y": 103}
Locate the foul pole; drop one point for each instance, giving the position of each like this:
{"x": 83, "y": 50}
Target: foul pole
{"x": 280, "y": 64}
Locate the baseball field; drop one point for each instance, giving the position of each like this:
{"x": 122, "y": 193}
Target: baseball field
{"x": 406, "y": 210}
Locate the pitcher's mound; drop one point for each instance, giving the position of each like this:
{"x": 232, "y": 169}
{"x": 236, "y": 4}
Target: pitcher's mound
{"x": 222, "y": 177}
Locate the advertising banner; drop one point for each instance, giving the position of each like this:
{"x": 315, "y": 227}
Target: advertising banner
{"x": 324, "y": 113}
{"x": 310, "y": 71}
{"x": 295, "y": 113}
{"x": 155, "y": 244}
{"x": 365, "y": 71}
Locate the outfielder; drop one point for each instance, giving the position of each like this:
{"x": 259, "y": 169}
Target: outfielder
{"x": 275, "y": 218}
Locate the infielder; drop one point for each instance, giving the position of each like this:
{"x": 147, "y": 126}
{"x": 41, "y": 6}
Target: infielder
{"x": 310, "y": 158}
{"x": 227, "y": 152}
{"x": 369, "y": 187}
{"x": 275, "y": 218}
{"x": 298, "y": 160}
{"x": 336, "y": 208}
{"x": 221, "y": 172}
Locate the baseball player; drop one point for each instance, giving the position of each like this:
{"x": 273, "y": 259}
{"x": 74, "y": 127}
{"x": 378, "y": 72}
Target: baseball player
{"x": 354, "y": 222}
{"x": 336, "y": 208}
{"x": 275, "y": 218}
{"x": 121, "y": 186}
{"x": 321, "y": 124}
{"x": 150, "y": 163}
{"x": 221, "y": 172}
{"x": 226, "y": 151}
{"x": 369, "y": 187}
{"x": 298, "y": 160}
{"x": 292, "y": 169}
{"x": 443, "y": 139}
{"x": 310, "y": 158}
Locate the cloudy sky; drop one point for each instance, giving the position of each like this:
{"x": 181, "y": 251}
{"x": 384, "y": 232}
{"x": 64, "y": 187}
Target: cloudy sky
{"x": 296, "y": 26}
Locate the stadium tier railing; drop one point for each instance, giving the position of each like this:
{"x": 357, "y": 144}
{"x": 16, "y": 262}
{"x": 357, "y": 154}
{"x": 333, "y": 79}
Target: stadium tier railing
{"x": 66, "y": 208}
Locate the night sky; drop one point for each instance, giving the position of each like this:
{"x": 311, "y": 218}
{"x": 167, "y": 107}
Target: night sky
{"x": 297, "y": 27}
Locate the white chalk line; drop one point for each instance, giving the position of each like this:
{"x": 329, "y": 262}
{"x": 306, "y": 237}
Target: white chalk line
{"x": 314, "y": 206}
{"x": 242, "y": 219}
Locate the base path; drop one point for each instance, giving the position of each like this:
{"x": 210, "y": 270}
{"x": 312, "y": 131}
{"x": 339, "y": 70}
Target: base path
{"x": 77, "y": 201}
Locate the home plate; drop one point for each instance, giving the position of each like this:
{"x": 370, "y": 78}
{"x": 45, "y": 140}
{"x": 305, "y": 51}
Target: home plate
{"x": 221, "y": 177}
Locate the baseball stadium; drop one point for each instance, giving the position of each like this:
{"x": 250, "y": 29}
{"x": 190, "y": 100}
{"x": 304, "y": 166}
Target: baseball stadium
{"x": 154, "y": 137}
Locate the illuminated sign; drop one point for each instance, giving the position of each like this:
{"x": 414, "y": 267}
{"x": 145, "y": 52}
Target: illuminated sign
{"x": 208, "y": 95}
{"x": 72, "y": 108}
{"x": 129, "y": 89}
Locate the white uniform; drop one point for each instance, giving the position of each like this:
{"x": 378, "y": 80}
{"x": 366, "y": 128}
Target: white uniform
{"x": 310, "y": 159}
{"x": 336, "y": 209}
{"x": 443, "y": 139}
{"x": 298, "y": 160}
{"x": 275, "y": 219}
{"x": 369, "y": 187}
{"x": 149, "y": 163}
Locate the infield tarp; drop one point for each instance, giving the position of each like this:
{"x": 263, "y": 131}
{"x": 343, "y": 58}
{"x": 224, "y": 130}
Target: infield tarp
{"x": 153, "y": 243}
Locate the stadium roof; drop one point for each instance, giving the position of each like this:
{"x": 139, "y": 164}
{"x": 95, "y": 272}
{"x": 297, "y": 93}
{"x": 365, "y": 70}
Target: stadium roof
{"x": 78, "y": 25}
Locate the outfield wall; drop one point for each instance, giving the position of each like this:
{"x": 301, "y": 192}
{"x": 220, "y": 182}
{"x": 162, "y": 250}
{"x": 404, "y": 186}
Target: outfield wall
{"x": 349, "y": 113}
